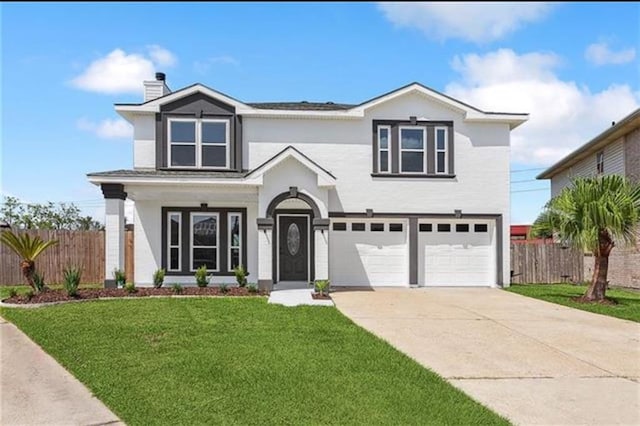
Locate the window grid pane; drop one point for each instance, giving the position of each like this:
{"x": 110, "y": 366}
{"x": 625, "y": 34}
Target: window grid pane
{"x": 214, "y": 132}
{"x": 183, "y": 132}
{"x": 235, "y": 240}
{"x": 384, "y": 160}
{"x": 214, "y": 155}
{"x": 412, "y": 139}
{"x": 204, "y": 240}
{"x": 174, "y": 240}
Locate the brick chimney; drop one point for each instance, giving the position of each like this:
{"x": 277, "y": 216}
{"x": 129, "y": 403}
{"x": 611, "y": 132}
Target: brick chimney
{"x": 156, "y": 88}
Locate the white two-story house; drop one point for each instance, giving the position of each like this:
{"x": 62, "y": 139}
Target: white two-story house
{"x": 410, "y": 188}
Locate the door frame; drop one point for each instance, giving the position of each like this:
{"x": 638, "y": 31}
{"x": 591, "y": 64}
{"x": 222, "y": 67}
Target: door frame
{"x": 310, "y": 254}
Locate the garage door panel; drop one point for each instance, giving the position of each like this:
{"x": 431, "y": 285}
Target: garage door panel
{"x": 457, "y": 258}
{"x": 365, "y": 258}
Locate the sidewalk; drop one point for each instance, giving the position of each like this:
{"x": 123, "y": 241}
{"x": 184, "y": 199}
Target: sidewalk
{"x": 36, "y": 390}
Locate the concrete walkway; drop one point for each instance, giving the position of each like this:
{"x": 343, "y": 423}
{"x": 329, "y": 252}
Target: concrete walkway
{"x": 531, "y": 361}
{"x": 36, "y": 390}
{"x": 297, "y": 297}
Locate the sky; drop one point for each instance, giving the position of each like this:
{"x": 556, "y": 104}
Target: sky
{"x": 573, "y": 67}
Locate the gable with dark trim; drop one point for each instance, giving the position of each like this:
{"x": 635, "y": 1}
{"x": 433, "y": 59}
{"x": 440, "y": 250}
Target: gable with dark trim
{"x": 199, "y": 105}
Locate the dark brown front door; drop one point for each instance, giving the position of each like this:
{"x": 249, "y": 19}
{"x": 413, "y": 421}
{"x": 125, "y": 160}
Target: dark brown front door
{"x": 293, "y": 237}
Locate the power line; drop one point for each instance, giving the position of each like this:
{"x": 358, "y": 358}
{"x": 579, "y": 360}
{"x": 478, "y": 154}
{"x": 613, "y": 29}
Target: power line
{"x": 528, "y": 170}
{"x": 530, "y": 190}
{"x": 523, "y": 181}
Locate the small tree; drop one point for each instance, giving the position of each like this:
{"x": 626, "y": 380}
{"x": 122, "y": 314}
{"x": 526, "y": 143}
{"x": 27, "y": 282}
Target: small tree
{"x": 592, "y": 214}
{"x": 28, "y": 249}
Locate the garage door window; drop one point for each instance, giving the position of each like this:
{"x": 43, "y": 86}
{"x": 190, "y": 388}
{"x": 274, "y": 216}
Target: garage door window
{"x": 339, "y": 226}
{"x": 426, "y": 227}
{"x": 395, "y": 227}
{"x": 377, "y": 227}
{"x": 444, "y": 227}
{"x": 480, "y": 227}
{"x": 462, "y": 227}
{"x": 357, "y": 226}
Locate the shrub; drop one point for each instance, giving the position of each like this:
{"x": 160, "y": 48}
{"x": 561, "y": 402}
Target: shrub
{"x": 202, "y": 278}
{"x": 119, "y": 277}
{"x": 71, "y": 280}
{"x": 12, "y": 292}
{"x": 224, "y": 288}
{"x": 241, "y": 275}
{"x": 176, "y": 289}
{"x": 29, "y": 294}
{"x": 130, "y": 288}
{"x": 158, "y": 278}
{"x": 322, "y": 286}
{"x": 252, "y": 288}
{"x": 38, "y": 282}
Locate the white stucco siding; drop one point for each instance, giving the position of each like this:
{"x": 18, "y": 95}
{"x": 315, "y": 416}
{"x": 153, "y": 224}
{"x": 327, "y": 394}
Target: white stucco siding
{"x": 343, "y": 147}
{"x": 287, "y": 174}
{"x": 148, "y": 238}
{"x": 613, "y": 164}
{"x": 144, "y": 142}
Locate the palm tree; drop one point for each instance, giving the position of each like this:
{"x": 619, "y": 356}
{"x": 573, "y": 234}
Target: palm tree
{"x": 593, "y": 214}
{"x": 28, "y": 249}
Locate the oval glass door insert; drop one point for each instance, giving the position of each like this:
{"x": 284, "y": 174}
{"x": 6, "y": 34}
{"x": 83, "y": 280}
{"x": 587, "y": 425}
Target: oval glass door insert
{"x": 293, "y": 239}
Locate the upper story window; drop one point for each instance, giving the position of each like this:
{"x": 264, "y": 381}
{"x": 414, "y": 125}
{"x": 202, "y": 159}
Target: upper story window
{"x": 384, "y": 147}
{"x": 441, "y": 150}
{"x": 600, "y": 162}
{"x": 412, "y": 149}
{"x": 198, "y": 143}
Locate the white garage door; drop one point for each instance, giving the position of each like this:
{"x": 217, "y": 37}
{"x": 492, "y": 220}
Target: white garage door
{"x": 368, "y": 253}
{"x": 457, "y": 253}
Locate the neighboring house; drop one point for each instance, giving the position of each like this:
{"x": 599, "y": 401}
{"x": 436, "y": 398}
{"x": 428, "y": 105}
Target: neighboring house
{"x": 614, "y": 151}
{"x": 520, "y": 235}
{"x": 408, "y": 188}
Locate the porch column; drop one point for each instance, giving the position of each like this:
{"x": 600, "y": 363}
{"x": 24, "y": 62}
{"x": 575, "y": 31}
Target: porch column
{"x": 114, "y": 197}
{"x": 321, "y": 248}
{"x": 265, "y": 253}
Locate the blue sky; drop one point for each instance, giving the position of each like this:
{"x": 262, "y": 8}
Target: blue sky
{"x": 573, "y": 66}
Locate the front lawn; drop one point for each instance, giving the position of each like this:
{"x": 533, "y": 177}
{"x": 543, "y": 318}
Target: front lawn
{"x": 241, "y": 361}
{"x": 627, "y": 307}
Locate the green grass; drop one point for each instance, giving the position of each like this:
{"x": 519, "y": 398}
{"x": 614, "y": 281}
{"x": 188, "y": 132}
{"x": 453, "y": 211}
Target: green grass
{"x": 628, "y": 302}
{"x": 241, "y": 361}
{"x": 22, "y": 289}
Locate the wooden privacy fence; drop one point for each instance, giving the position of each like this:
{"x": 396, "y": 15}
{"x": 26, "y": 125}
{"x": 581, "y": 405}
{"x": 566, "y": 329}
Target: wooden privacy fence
{"x": 84, "y": 249}
{"x": 546, "y": 263}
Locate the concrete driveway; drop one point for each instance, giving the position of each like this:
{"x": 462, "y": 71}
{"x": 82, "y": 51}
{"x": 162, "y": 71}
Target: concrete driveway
{"x": 36, "y": 390}
{"x": 531, "y": 361}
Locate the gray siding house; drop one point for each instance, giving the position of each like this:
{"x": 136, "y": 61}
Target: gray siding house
{"x": 614, "y": 151}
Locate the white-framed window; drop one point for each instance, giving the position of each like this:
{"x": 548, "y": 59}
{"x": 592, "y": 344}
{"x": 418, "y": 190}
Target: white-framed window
{"x": 204, "y": 240}
{"x": 412, "y": 149}
{"x": 198, "y": 143}
{"x": 600, "y": 162}
{"x": 174, "y": 241}
{"x": 384, "y": 149}
{"x": 442, "y": 154}
{"x": 234, "y": 221}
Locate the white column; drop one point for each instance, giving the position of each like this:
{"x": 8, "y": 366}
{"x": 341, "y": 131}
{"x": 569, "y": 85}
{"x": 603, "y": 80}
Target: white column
{"x": 265, "y": 255}
{"x": 321, "y": 247}
{"x": 114, "y": 238}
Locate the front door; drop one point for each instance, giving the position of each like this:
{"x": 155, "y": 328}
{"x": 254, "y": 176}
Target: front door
{"x": 293, "y": 248}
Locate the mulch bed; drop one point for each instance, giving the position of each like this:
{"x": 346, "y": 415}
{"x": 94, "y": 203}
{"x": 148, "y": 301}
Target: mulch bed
{"x": 319, "y": 296}
{"x": 49, "y": 295}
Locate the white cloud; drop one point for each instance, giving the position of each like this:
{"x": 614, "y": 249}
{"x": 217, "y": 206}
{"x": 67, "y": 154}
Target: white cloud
{"x": 121, "y": 72}
{"x": 108, "y": 128}
{"x": 161, "y": 56}
{"x": 563, "y": 114}
{"x": 204, "y": 66}
{"x": 601, "y": 54}
{"x": 472, "y": 21}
